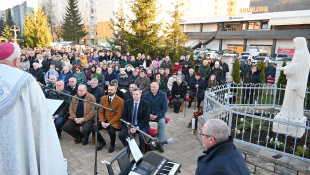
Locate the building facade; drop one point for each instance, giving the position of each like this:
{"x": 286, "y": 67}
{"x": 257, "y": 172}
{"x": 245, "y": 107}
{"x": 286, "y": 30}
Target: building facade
{"x": 19, "y": 13}
{"x": 247, "y": 25}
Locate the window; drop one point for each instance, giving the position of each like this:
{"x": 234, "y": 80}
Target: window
{"x": 264, "y": 25}
{"x": 254, "y": 25}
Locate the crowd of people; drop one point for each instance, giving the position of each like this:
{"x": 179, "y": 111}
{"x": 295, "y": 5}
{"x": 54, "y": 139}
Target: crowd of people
{"x": 98, "y": 75}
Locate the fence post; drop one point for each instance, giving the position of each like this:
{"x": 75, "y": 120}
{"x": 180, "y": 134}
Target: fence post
{"x": 230, "y": 119}
{"x": 275, "y": 96}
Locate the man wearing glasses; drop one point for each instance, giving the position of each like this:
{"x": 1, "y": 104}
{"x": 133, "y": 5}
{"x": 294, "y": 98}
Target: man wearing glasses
{"x": 222, "y": 155}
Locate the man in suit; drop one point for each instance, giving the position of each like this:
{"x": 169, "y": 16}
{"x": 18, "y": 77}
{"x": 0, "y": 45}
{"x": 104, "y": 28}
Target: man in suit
{"x": 128, "y": 94}
{"x": 108, "y": 119}
{"x": 158, "y": 107}
{"x": 72, "y": 88}
{"x": 137, "y": 112}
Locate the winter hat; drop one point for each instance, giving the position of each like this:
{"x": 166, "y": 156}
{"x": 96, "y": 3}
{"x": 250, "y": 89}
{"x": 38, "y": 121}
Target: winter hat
{"x": 9, "y": 51}
{"x": 198, "y": 74}
{"x": 217, "y": 63}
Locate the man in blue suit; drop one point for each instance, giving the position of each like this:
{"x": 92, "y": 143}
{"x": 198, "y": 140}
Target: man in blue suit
{"x": 158, "y": 107}
{"x": 137, "y": 112}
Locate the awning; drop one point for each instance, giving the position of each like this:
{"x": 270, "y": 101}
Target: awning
{"x": 289, "y": 21}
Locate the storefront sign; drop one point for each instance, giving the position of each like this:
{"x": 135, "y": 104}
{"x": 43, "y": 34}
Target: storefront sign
{"x": 263, "y": 9}
{"x": 289, "y": 52}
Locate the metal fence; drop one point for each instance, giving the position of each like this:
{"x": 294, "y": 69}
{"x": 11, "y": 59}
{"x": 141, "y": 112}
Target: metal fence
{"x": 236, "y": 106}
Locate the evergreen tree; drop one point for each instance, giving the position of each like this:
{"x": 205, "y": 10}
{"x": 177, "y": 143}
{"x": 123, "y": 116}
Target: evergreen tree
{"x": 9, "y": 19}
{"x": 118, "y": 26}
{"x": 282, "y": 81}
{"x": 72, "y": 26}
{"x": 192, "y": 58}
{"x": 7, "y": 33}
{"x": 236, "y": 71}
{"x": 176, "y": 38}
{"x": 2, "y": 25}
{"x": 261, "y": 67}
{"x": 36, "y": 30}
{"x": 143, "y": 33}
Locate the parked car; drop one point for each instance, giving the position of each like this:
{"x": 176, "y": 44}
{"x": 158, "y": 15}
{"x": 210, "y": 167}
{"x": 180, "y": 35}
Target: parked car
{"x": 263, "y": 57}
{"x": 221, "y": 52}
{"x": 200, "y": 55}
{"x": 196, "y": 53}
{"x": 282, "y": 57}
{"x": 230, "y": 53}
{"x": 213, "y": 55}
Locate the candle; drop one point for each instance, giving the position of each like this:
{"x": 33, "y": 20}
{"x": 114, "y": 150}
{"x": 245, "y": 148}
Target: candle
{"x": 193, "y": 123}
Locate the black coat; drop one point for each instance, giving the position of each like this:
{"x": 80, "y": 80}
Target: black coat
{"x": 218, "y": 73}
{"x": 63, "y": 109}
{"x": 127, "y": 96}
{"x": 97, "y": 93}
{"x": 123, "y": 83}
{"x": 222, "y": 158}
{"x": 46, "y": 64}
{"x": 253, "y": 79}
{"x": 225, "y": 69}
{"x": 71, "y": 91}
{"x": 38, "y": 74}
{"x": 201, "y": 84}
{"x": 143, "y": 114}
{"x": 179, "y": 89}
{"x": 189, "y": 77}
{"x": 31, "y": 61}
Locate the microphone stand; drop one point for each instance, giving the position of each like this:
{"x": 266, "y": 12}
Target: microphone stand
{"x": 97, "y": 106}
{"x": 132, "y": 126}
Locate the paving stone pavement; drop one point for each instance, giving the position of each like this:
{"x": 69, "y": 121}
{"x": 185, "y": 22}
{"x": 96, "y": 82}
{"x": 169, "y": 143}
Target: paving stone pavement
{"x": 185, "y": 150}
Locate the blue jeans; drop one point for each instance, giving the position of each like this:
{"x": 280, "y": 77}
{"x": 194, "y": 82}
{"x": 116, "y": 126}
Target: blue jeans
{"x": 161, "y": 128}
{"x": 59, "y": 122}
{"x": 223, "y": 80}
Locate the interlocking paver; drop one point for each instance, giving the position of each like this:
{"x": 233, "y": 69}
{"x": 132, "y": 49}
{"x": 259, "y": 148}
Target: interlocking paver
{"x": 185, "y": 149}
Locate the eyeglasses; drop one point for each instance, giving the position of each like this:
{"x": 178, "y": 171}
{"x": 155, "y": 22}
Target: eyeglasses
{"x": 202, "y": 134}
{"x": 123, "y": 74}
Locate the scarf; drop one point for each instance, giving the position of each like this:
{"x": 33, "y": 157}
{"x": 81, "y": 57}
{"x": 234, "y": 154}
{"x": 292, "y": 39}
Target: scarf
{"x": 97, "y": 76}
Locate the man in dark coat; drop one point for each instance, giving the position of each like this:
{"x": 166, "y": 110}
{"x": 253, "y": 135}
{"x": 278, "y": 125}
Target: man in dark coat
{"x": 128, "y": 94}
{"x": 222, "y": 155}
{"x": 46, "y": 63}
{"x": 72, "y": 88}
{"x": 205, "y": 70}
{"x": 197, "y": 84}
{"x": 189, "y": 77}
{"x": 95, "y": 90}
{"x": 31, "y": 59}
{"x": 225, "y": 69}
{"x": 158, "y": 107}
{"x": 137, "y": 112}
{"x": 37, "y": 73}
{"x": 61, "y": 114}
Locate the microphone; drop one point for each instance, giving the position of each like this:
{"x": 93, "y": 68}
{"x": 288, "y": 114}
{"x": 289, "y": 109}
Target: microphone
{"x": 161, "y": 142}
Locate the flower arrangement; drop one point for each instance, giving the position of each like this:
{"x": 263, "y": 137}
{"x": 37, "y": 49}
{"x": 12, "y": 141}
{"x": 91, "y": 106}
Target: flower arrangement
{"x": 196, "y": 114}
{"x": 280, "y": 145}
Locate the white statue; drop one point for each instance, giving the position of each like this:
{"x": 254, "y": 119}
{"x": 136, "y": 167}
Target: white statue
{"x": 297, "y": 76}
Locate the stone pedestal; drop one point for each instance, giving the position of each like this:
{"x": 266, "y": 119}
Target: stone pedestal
{"x": 290, "y": 129}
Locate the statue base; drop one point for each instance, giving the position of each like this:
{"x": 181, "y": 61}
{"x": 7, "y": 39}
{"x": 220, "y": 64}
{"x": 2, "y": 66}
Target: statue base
{"x": 291, "y": 130}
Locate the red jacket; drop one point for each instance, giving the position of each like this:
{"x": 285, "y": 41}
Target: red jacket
{"x": 175, "y": 68}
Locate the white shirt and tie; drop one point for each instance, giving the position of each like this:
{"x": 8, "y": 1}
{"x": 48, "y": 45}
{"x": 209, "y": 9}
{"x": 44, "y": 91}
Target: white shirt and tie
{"x": 111, "y": 99}
{"x": 134, "y": 112}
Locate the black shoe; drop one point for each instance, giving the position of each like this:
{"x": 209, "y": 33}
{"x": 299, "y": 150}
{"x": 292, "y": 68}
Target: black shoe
{"x": 189, "y": 104}
{"x": 59, "y": 134}
{"x": 160, "y": 148}
{"x": 111, "y": 149}
{"x": 85, "y": 142}
{"x": 101, "y": 145}
{"x": 79, "y": 140}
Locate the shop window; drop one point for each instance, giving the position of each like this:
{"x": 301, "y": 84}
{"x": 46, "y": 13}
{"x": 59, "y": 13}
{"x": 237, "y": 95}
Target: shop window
{"x": 254, "y": 25}
{"x": 265, "y": 25}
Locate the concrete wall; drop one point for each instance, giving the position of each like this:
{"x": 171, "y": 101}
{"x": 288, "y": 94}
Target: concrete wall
{"x": 235, "y": 41}
{"x": 284, "y": 44}
{"x": 209, "y": 27}
{"x": 214, "y": 45}
{"x": 259, "y": 42}
{"x": 192, "y": 28}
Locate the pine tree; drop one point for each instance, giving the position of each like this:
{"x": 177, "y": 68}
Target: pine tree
{"x": 282, "y": 81}
{"x": 176, "y": 38}
{"x": 7, "y": 33}
{"x": 72, "y": 26}
{"x": 9, "y": 19}
{"x": 118, "y": 26}
{"x": 236, "y": 71}
{"x": 192, "y": 58}
{"x": 2, "y": 25}
{"x": 143, "y": 31}
{"x": 261, "y": 67}
{"x": 36, "y": 30}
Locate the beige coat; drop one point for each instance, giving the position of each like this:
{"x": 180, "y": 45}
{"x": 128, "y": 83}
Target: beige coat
{"x": 89, "y": 110}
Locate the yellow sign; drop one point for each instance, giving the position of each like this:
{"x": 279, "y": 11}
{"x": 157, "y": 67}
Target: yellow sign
{"x": 263, "y": 9}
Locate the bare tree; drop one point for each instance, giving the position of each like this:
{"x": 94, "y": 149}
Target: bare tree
{"x": 58, "y": 32}
{"x": 49, "y": 8}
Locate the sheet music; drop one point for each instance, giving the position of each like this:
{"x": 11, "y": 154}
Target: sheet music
{"x": 135, "y": 151}
{"x": 53, "y": 105}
